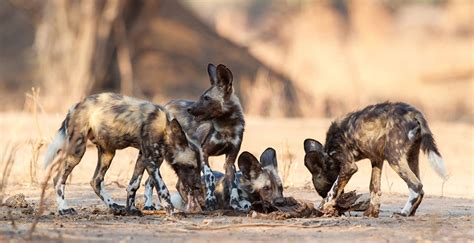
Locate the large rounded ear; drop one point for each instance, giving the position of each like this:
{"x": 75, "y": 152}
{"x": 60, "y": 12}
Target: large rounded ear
{"x": 314, "y": 162}
{"x": 212, "y": 71}
{"x": 177, "y": 133}
{"x": 249, "y": 165}
{"x": 224, "y": 77}
{"x": 268, "y": 158}
{"x": 312, "y": 145}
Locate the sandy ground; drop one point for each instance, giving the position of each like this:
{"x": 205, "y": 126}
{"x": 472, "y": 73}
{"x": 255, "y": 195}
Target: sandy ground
{"x": 445, "y": 214}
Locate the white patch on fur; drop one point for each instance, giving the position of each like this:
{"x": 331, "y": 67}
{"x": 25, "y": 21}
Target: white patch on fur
{"x": 53, "y": 148}
{"x": 409, "y": 205}
{"x": 161, "y": 191}
{"x": 437, "y": 163}
{"x": 105, "y": 196}
{"x": 261, "y": 181}
{"x": 272, "y": 170}
{"x": 148, "y": 194}
{"x": 185, "y": 157}
{"x": 374, "y": 198}
{"x": 412, "y": 133}
{"x": 177, "y": 201}
{"x": 244, "y": 204}
{"x": 331, "y": 193}
{"x": 234, "y": 194}
{"x": 135, "y": 184}
{"x": 59, "y": 200}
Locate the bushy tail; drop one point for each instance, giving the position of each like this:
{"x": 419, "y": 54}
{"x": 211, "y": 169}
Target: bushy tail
{"x": 428, "y": 146}
{"x": 58, "y": 141}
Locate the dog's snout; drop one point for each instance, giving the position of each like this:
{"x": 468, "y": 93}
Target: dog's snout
{"x": 279, "y": 201}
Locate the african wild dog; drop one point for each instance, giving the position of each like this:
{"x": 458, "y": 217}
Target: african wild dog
{"x": 394, "y": 132}
{"x": 216, "y": 122}
{"x": 256, "y": 181}
{"x": 111, "y": 122}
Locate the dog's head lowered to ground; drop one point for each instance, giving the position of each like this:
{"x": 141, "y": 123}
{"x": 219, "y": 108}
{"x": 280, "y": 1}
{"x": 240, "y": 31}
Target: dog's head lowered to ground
{"x": 261, "y": 179}
{"x": 185, "y": 158}
{"x": 321, "y": 166}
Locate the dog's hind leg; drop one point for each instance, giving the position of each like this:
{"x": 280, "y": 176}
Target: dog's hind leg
{"x": 149, "y": 205}
{"x": 230, "y": 178}
{"x": 135, "y": 184}
{"x": 375, "y": 193}
{"x": 210, "y": 182}
{"x": 414, "y": 185}
{"x": 412, "y": 158}
{"x": 104, "y": 160}
{"x": 70, "y": 161}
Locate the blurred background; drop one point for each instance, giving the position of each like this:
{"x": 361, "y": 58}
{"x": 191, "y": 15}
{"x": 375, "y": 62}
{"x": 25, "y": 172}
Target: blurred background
{"x": 290, "y": 58}
{"x": 297, "y": 65}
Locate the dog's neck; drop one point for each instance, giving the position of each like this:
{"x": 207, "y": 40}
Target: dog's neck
{"x": 232, "y": 117}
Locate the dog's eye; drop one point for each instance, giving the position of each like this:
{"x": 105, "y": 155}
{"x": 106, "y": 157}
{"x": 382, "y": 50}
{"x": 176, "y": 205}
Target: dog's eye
{"x": 207, "y": 98}
{"x": 266, "y": 188}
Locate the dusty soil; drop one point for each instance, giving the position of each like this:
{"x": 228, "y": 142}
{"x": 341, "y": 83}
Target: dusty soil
{"x": 439, "y": 218}
{"x": 446, "y": 213}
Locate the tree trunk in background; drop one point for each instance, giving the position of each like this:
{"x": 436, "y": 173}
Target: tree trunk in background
{"x": 80, "y": 45}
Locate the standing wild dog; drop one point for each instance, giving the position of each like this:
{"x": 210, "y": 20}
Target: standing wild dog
{"x": 112, "y": 122}
{"x": 256, "y": 181}
{"x": 216, "y": 122}
{"x": 394, "y": 132}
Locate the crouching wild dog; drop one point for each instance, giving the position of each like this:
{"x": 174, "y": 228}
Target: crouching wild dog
{"x": 394, "y": 132}
{"x": 112, "y": 122}
{"x": 216, "y": 123}
{"x": 256, "y": 181}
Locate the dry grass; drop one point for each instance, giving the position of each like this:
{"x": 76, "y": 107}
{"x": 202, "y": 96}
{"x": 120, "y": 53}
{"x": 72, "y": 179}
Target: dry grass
{"x": 52, "y": 169}
{"x": 288, "y": 165}
{"x": 7, "y": 159}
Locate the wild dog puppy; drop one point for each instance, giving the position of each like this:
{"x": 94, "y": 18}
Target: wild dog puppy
{"x": 256, "y": 181}
{"x": 394, "y": 132}
{"x": 111, "y": 122}
{"x": 216, "y": 123}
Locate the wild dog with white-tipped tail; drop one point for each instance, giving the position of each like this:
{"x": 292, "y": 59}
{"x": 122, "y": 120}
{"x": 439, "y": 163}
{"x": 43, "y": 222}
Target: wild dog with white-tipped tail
{"x": 112, "y": 122}
{"x": 394, "y": 132}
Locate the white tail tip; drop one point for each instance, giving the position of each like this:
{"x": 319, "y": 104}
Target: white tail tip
{"x": 438, "y": 164}
{"x": 53, "y": 149}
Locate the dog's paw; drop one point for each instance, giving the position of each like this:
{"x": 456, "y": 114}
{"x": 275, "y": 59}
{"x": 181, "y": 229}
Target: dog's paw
{"x": 134, "y": 212}
{"x": 117, "y": 209}
{"x": 401, "y": 214}
{"x": 211, "y": 203}
{"x": 244, "y": 206}
{"x": 149, "y": 208}
{"x": 67, "y": 211}
{"x": 371, "y": 211}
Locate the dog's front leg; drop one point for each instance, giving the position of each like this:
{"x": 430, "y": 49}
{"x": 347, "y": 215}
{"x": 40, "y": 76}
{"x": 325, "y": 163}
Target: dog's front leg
{"x": 345, "y": 174}
{"x": 162, "y": 190}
